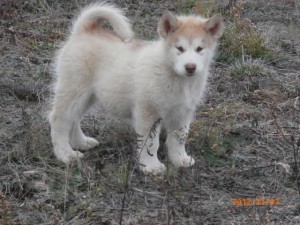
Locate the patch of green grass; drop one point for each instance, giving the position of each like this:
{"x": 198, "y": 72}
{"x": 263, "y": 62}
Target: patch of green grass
{"x": 213, "y": 146}
{"x": 236, "y": 43}
{"x": 243, "y": 69}
{"x": 187, "y": 5}
{"x": 45, "y": 45}
{"x": 117, "y": 174}
{"x": 207, "y": 142}
{"x": 241, "y": 38}
{"x": 121, "y": 175}
{"x": 210, "y": 148}
{"x": 207, "y": 8}
{"x": 215, "y": 137}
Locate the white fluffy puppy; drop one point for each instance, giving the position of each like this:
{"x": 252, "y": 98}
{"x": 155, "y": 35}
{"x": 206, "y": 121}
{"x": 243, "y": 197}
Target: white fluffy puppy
{"x": 153, "y": 83}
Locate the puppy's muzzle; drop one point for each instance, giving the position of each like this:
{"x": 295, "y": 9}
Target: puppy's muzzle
{"x": 190, "y": 68}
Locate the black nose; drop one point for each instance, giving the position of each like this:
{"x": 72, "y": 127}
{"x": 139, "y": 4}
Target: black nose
{"x": 190, "y": 68}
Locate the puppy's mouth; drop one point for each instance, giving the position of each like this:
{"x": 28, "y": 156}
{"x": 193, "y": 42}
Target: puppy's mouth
{"x": 190, "y": 74}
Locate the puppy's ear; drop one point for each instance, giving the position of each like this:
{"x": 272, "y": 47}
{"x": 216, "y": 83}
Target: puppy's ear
{"x": 215, "y": 26}
{"x": 167, "y": 24}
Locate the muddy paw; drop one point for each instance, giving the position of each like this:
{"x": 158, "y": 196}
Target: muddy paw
{"x": 86, "y": 144}
{"x": 182, "y": 160}
{"x": 67, "y": 155}
{"x": 155, "y": 169}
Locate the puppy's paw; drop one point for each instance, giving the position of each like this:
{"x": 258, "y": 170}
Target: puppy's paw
{"x": 182, "y": 160}
{"x": 85, "y": 144}
{"x": 89, "y": 143}
{"x": 67, "y": 155}
{"x": 155, "y": 168}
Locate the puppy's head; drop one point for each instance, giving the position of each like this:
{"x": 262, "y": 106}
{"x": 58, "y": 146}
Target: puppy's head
{"x": 190, "y": 41}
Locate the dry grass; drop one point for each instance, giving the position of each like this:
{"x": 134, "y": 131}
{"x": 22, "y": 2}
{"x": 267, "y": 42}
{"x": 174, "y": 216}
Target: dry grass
{"x": 245, "y": 137}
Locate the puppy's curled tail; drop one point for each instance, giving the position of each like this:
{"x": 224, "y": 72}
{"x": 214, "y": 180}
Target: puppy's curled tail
{"x": 91, "y": 17}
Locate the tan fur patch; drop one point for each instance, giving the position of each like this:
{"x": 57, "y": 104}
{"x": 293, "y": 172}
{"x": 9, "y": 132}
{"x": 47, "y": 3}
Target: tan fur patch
{"x": 96, "y": 29}
{"x": 191, "y": 28}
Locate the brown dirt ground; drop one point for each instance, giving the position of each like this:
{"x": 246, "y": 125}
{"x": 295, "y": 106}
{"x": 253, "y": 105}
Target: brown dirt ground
{"x": 244, "y": 136}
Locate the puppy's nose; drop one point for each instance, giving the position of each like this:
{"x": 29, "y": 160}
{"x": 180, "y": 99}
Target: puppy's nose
{"x": 190, "y": 68}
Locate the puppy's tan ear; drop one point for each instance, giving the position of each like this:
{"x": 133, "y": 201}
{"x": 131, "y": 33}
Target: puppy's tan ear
{"x": 215, "y": 26}
{"x": 167, "y": 24}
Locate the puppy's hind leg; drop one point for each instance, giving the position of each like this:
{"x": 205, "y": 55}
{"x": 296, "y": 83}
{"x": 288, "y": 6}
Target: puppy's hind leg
{"x": 77, "y": 138}
{"x": 67, "y": 110}
{"x": 60, "y": 128}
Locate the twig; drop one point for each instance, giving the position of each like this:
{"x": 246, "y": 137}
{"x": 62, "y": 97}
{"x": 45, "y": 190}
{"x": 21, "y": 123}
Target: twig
{"x": 38, "y": 37}
{"x": 126, "y": 185}
{"x": 262, "y": 167}
{"x": 296, "y": 146}
{"x": 167, "y": 193}
{"x": 152, "y": 132}
{"x": 278, "y": 127}
{"x": 66, "y": 189}
{"x": 157, "y": 195}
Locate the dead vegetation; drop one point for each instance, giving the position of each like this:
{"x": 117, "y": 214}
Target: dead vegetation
{"x": 245, "y": 137}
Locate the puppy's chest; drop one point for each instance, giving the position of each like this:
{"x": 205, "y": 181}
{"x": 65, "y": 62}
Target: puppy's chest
{"x": 182, "y": 98}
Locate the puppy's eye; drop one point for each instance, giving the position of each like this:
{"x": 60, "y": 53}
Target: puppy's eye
{"x": 179, "y": 48}
{"x": 199, "y": 49}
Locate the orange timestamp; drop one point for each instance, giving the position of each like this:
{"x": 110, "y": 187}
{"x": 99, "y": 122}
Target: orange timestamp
{"x": 256, "y": 201}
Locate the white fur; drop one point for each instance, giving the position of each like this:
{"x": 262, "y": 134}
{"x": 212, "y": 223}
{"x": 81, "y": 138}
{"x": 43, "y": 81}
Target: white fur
{"x": 143, "y": 83}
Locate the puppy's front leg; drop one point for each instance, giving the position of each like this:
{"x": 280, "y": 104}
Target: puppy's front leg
{"x": 176, "y": 140}
{"x": 147, "y": 127}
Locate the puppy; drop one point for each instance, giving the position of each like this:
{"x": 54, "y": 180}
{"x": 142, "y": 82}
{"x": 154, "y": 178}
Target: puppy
{"x": 154, "y": 84}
